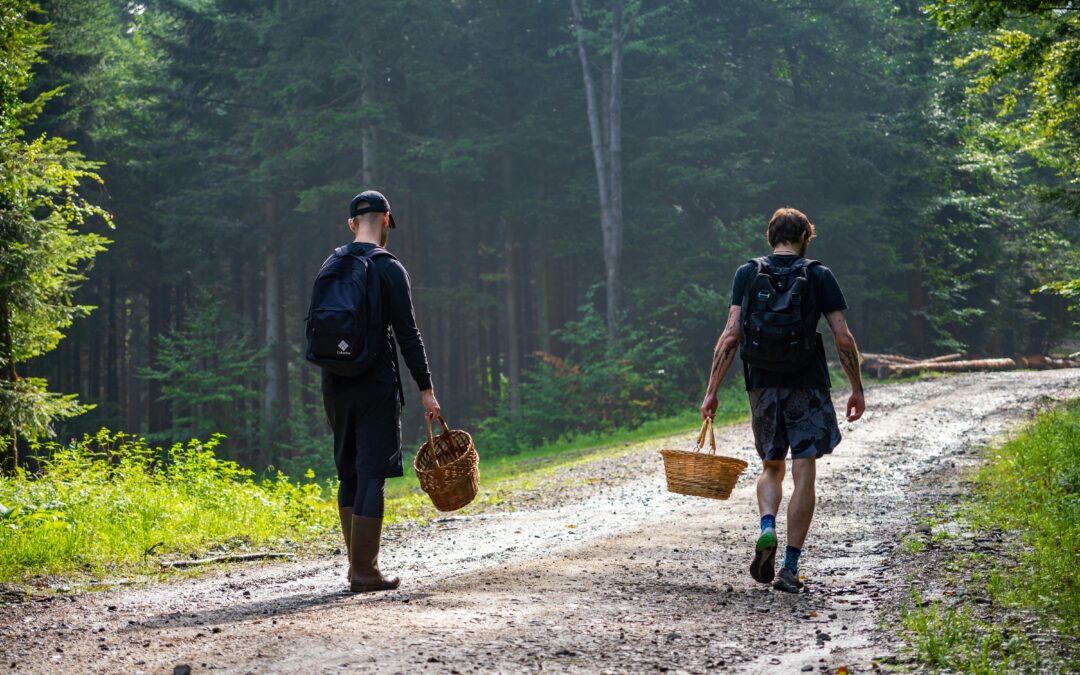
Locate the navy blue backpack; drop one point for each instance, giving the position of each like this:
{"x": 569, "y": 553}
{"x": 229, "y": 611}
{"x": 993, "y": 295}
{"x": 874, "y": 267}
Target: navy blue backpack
{"x": 346, "y": 328}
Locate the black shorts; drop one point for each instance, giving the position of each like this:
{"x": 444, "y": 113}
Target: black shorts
{"x": 366, "y": 418}
{"x": 801, "y": 419}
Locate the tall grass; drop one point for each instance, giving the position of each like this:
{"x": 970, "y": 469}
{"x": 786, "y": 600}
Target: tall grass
{"x": 1030, "y": 489}
{"x": 951, "y": 639}
{"x": 1032, "y": 486}
{"x": 110, "y": 503}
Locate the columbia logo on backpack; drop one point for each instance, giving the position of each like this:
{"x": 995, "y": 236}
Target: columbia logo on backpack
{"x": 345, "y": 324}
{"x": 777, "y": 308}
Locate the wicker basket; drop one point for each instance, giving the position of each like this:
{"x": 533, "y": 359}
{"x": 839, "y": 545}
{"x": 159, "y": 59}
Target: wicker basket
{"x": 448, "y": 468}
{"x": 701, "y": 474}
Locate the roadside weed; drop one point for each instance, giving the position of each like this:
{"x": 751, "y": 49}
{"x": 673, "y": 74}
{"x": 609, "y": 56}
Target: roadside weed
{"x": 1032, "y": 486}
{"x": 913, "y": 544}
{"x": 110, "y": 503}
{"x": 1026, "y": 497}
{"x": 949, "y": 638}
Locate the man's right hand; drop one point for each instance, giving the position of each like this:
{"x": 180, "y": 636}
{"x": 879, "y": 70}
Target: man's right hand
{"x": 708, "y": 407}
{"x": 431, "y": 404}
{"x": 856, "y": 406}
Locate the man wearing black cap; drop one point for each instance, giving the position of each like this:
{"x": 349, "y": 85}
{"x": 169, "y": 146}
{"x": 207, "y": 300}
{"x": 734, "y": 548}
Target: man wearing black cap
{"x": 364, "y": 411}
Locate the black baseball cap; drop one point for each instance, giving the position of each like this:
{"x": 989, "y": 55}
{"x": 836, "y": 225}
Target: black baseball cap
{"x": 376, "y": 202}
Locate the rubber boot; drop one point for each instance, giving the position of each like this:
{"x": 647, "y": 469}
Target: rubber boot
{"x": 346, "y": 530}
{"x": 364, "y": 555}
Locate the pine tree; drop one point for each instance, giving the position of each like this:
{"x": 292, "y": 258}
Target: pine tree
{"x": 43, "y": 254}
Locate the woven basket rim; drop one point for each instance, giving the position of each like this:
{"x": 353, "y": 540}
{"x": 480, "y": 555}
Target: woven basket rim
{"x": 698, "y": 453}
{"x": 470, "y": 456}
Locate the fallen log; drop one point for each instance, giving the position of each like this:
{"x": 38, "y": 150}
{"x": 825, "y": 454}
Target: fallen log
{"x": 1052, "y": 364}
{"x": 886, "y": 365}
{"x": 943, "y": 358}
{"x": 954, "y": 366}
{"x": 239, "y": 557}
{"x": 893, "y": 358}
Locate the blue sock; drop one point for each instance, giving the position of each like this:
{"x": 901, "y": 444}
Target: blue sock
{"x": 767, "y": 522}
{"x": 791, "y": 558}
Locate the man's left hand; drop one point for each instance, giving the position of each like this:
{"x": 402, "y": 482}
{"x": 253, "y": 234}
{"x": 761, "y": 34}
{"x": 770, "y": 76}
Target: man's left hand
{"x": 856, "y": 406}
{"x": 708, "y": 407}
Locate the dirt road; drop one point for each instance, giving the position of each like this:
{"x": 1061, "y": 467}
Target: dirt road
{"x": 618, "y": 576}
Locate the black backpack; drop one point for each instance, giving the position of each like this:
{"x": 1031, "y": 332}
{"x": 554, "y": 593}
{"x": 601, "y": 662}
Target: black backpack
{"x": 346, "y": 328}
{"x": 775, "y": 330}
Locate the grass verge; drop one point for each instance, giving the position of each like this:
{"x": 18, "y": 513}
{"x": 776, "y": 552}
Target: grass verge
{"x": 110, "y": 504}
{"x": 1027, "y": 616}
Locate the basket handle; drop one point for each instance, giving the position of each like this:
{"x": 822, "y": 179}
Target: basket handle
{"x": 431, "y": 442}
{"x": 707, "y": 427}
{"x": 431, "y": 439}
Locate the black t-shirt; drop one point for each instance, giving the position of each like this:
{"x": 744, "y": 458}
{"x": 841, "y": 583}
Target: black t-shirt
{"x": 829, "y": 299}
{"x": 398, "y": 306}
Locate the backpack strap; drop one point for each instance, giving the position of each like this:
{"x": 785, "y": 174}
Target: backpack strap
{"x": 759, "y": 263}
{"x": 803, "y": 265}
{"x": 376, "y": 252}
{"x": 379, "y": 252}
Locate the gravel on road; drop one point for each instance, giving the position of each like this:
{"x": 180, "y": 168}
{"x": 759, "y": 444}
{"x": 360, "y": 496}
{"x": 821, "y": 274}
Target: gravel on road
{"x": 609, "y": 573}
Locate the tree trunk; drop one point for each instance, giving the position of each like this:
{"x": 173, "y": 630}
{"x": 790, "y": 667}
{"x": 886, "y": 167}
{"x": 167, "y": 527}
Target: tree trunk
{"x": 494, "y": 359}
{"x": 605, "y": 129}
{"x": 281, "y": 360}
{"x": 112, "y": 374}
{"x": 917, "y": 308}
{"x": 129, "y": 358}
{"x": 76, "y": 366}
{"x": 157, "y": 308}
{"x": 93, "y": 366}
{"x": 792, "y": 55}
{"x": 9, "y": 376}
{"x": 367, "y": 98}
{"x": 543, "y": 309}
{"x": 510, "y": 298}
{"x": 275, "y": 394}
{"x": 613, "y": 242}
{"x": 270, "y": 372}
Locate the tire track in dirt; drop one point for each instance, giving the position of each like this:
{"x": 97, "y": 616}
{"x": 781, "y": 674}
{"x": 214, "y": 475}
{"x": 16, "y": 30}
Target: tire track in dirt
{"x": 644, "y": 581}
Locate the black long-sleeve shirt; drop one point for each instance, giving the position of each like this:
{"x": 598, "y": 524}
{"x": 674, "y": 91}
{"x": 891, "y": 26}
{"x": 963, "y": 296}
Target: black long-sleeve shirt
{"x": 396, "y": 293}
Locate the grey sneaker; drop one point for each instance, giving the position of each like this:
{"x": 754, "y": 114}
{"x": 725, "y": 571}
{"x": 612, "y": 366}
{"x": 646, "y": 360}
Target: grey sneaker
{"x": 787, "y": 581}
{"x": 763, "y": 567}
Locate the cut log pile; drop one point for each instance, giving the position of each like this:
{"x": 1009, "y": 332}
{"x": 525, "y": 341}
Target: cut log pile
{"x": 887, "y": 365}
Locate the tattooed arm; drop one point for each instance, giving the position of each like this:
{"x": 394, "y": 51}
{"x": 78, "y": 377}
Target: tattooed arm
{"x": 848, "y": 352}
{"x": 723, "y": 357}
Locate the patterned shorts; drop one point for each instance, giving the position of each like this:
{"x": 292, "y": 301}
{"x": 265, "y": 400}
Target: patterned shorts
{"x": 802, "y": 419}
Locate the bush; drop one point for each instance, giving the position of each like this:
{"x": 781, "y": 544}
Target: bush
{"x": 108, "y": 502}
{"x": 600, "y": 386}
